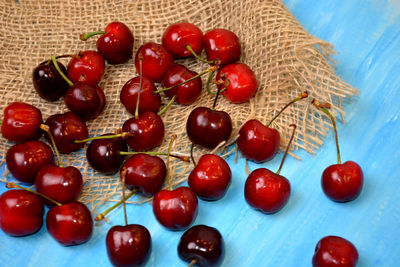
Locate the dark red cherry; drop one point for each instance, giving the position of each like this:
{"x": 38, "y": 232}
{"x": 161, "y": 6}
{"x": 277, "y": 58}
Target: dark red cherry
{"x": 222, "y": 45}
{"x": 266, "y": 191}
{"x": 177, "y": 36}
{"x": 148, "y": 100}
{"x": 87, "y": 67}
{"x": 335, "y": 251}
{"x": 242, "y": 84}
{"x": 175, "y": 209}
{"x": 85, "y": 101}
{"x": 203, "y": 244}
{"x": 103, "y": 154}
{"x": 148, "y": 131}
{"x": 47, "y": 82}
{"x": 66, "y": 128}
{"x": 21, "y": 212}
{"x": 258, "y": 142}
{"x": 62, "y": 184}
{"x": 145, "y": 172}
{"x": 70, "y": 224}
{"x": 156, "y": 61}
{"x": 210, "y": 178}
{"x": 207, "y": 127}
{"x": 21, "y": 122}
{"x": 128, "y": 245}
{"x": 25, "y": 160}
{"x": 186, "y": 93}
{"x": 342, "y": 182}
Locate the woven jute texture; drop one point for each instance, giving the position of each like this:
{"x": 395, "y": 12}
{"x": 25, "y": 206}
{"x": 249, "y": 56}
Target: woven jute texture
{"x": 285, "y": 58}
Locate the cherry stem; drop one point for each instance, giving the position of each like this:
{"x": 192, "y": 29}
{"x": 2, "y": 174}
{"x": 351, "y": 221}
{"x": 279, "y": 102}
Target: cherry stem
{"x": 46, "y": 128}
{"x": 324, "y": 108}
{"x": 54, "y": 60}
{"x": 86, "y": 36}
{"x": 191, "y": 154}
{"x": 188, "y": 47}
{"x": 287, "y": 147}
{"x": 167, "y": 106}
{"x": 140, "y": 57}
{"x": 123, "y": 135}
{"x": 169, "y": 153}
{"x": 101, "y": 216}
{"x": 217, "y": 95}
{"x": 14, "y": 185}
{"x": 301, "y": 96}
{"x": 181, "y": 157}
{"x": 210, "y": 76}
{"x": 123, "y": 173}
{"x": 192, "y": 263}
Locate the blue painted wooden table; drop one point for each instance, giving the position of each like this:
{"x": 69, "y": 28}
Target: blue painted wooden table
{"x": 366, "y": 35}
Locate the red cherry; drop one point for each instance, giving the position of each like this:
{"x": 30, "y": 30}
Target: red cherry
{"x": 156, "y": 61}
{"x": 62, "y": 184}
{"x": 177, "y": 36}
{"x": 210, "y": 178}
{"x": 21, "y": 212}
{"x": 70, "y": 224}
{"x": 21, "y": 122}
{"x": 175, "y": 209}
{"x": 335, "y": 251}
{"x": 25, "y": 160}
{"x": 128, "y": 245}
{"x": 242, "y": 84}
{"x": 222, "y": 45}
{"x": 148, "y": 100}
{"x": 187, "y": 93}
{"x": 87, "y": 67}
{"x": 145, "y": 172}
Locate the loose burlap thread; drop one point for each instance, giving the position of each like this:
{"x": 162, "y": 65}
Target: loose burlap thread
{"x": 284, "y": 57}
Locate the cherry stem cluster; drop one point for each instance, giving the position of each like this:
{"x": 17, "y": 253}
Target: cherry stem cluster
{"x": 14, "y": 185}
{"x": 101, "y": 216}
{"x": 86, "y": 36}
{"x": 287, "y": 147}
{"x": 46, "y": 128}
{"x": 54, "y": 60}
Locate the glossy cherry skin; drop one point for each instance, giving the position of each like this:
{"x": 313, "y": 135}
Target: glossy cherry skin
{"x": 128, "y": 245}
{"x": 342, "y": 182}
{"x": 242, "y": 82}
{"x": 116, "y": 45}
{"x": 148, "y": 131}
{"x": 70, "y": 224}
{"x": 211, "y": 177}
{"x": 48, "y": 82}
{"x": 85, "y": 101}
{"x": 258, "y": 142}
{"x": 21, "y": 122}
{"x": 335, "y": 251}
{"x": 266, "y": 191}
{"x": 207, "y": 127}
{"x": 178, "y": 35}
{"x": 103, "y": 154}
{"x": 175, "y": 209}
{"x": 25, "y": 160}
{"x": 222, "y": 45}
{"x": 145, "y": 172}
{"x": 148, "y": 100}
{"x": 87, "y": 67}
{"x": 66, "y": 128}
{"x": 156, "y": 61}
{"x": 187, "y": 93}
{"x": 21, "y": 212}
{"x": 62, "y": 184}
{"x": 202, "y": 243}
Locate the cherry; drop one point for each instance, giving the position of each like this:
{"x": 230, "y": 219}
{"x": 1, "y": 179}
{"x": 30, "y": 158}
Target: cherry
{"x": 21, "y": 122}
{"x": 340, "y": 182}
{"x": 202, "y": 245}
{"x": 240, "y": 80}
{"x": 115, "y": 43}
{"x": 156, "y": 61}
{"x": 180, "y": 35}
{"x": 21, "y": 212}
{"x": 335, "y": 251}
{"x": 222, "y": 46}
{"x": 87, "y": 67}
{"x": 210, "y": 178}
{"x": 25, "y": 160}
{"x": 47, "y": 82}
{"x": 258, "y": 142}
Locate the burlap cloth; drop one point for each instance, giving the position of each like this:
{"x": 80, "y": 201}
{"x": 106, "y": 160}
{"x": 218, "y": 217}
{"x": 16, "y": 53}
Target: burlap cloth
{"x": 285, "y": 58}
